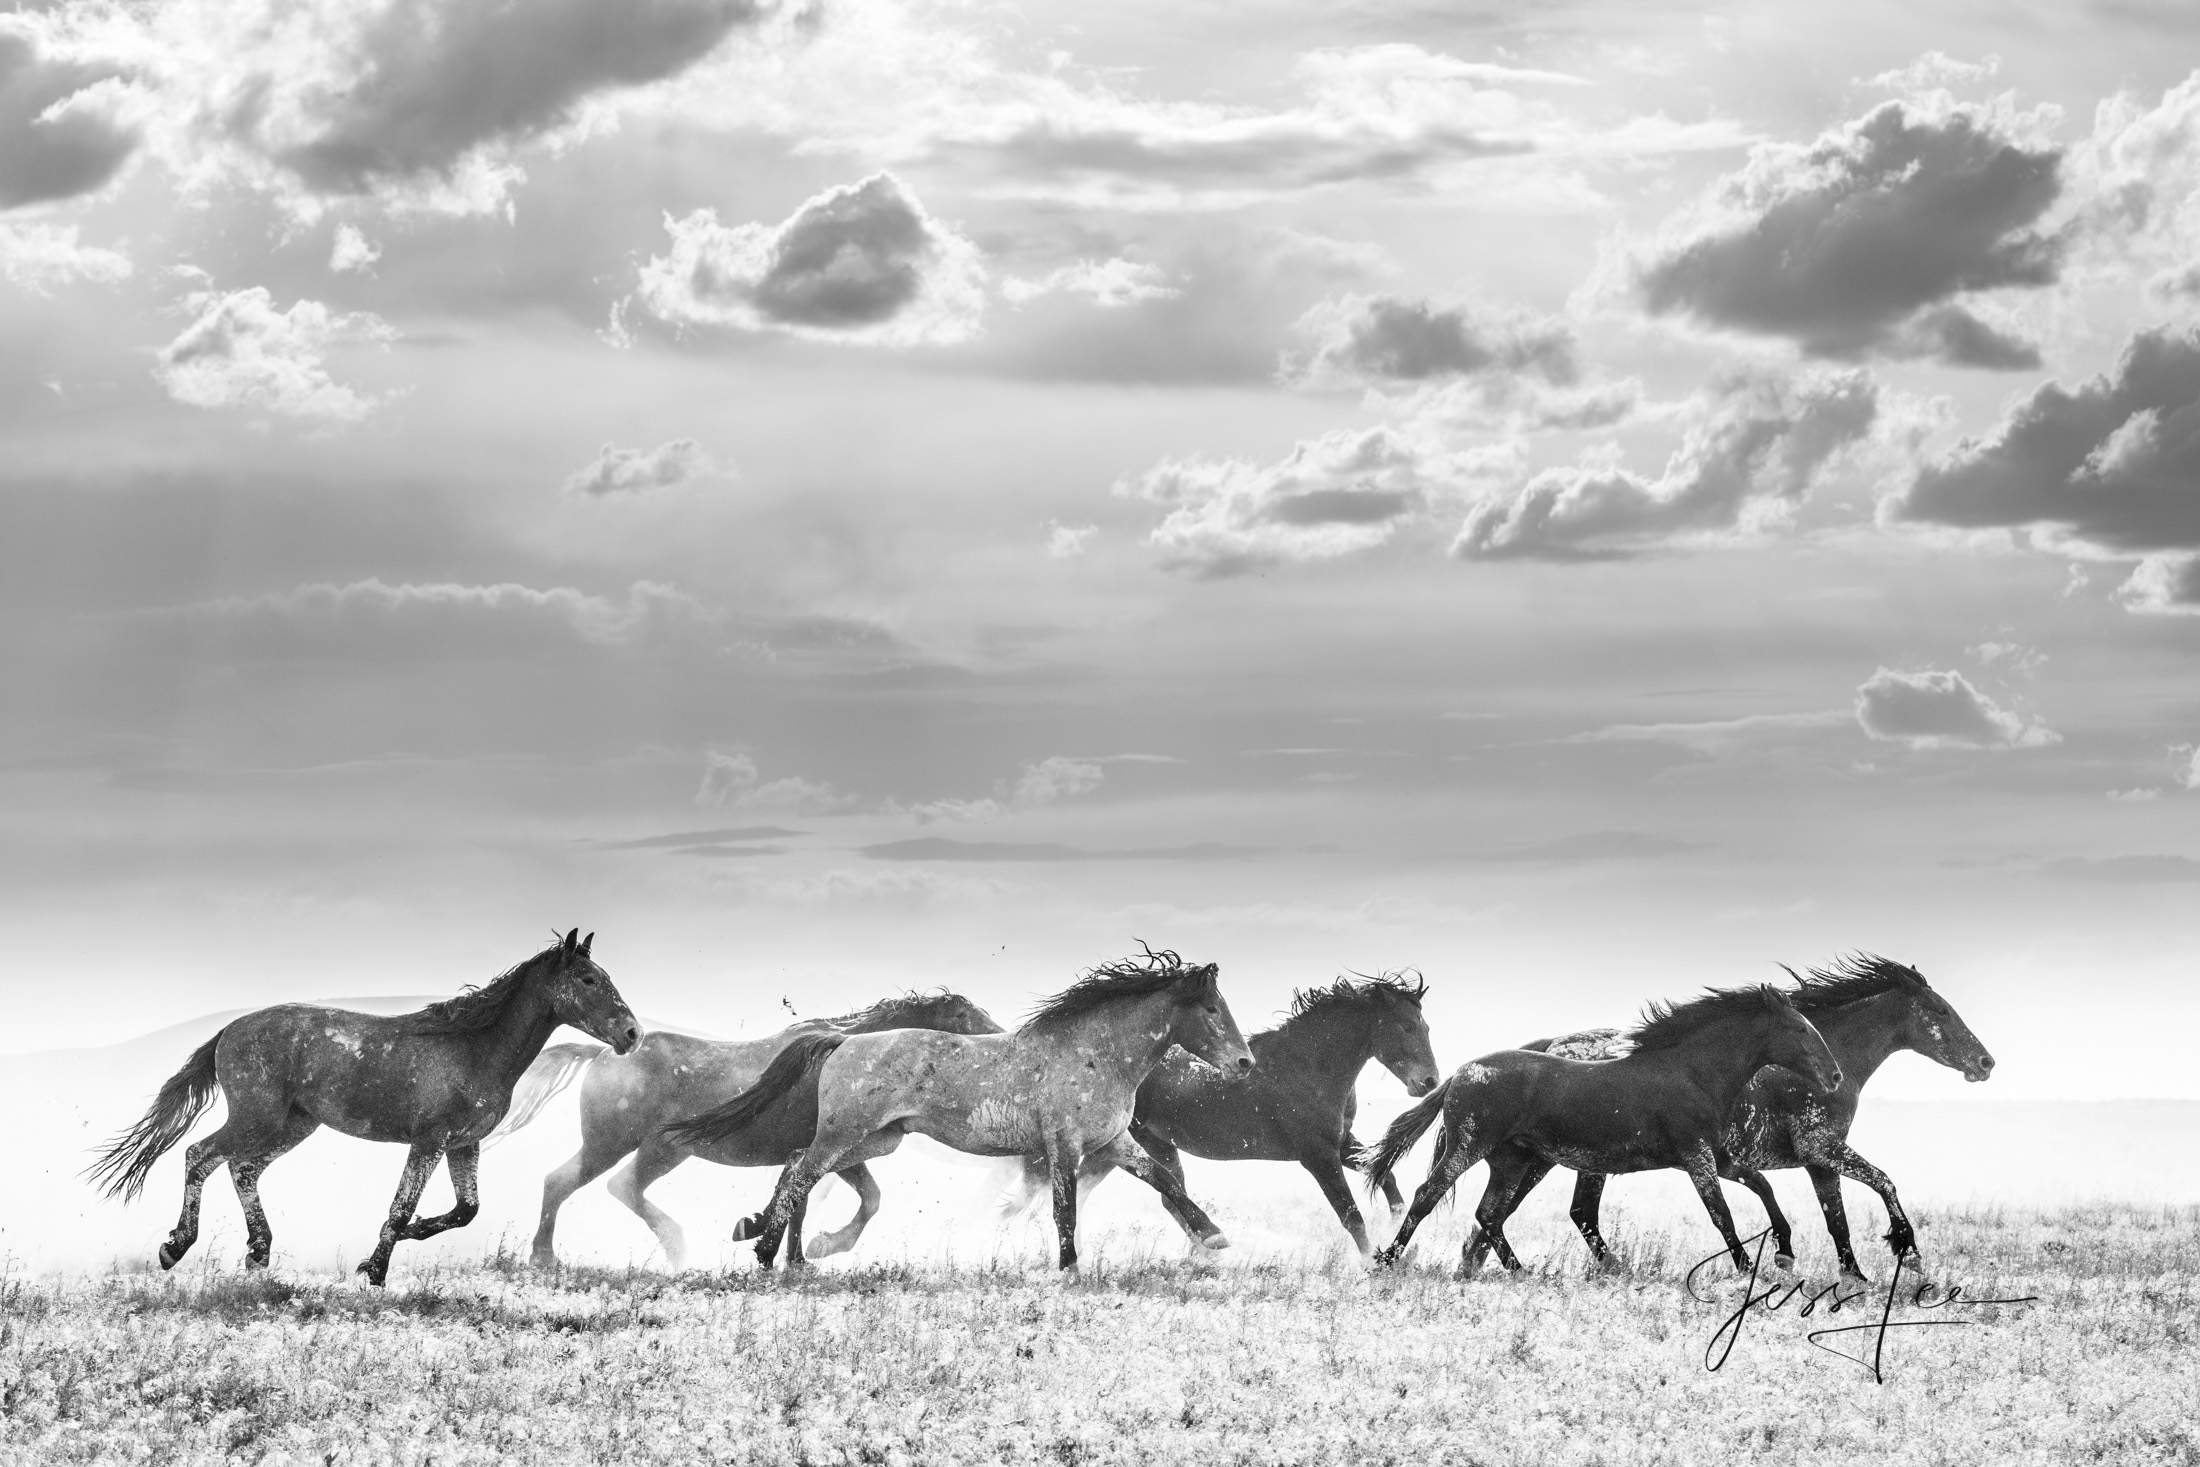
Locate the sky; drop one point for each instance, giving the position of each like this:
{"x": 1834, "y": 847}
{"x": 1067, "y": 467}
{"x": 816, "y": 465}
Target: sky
{"x": 1585, "y": 500}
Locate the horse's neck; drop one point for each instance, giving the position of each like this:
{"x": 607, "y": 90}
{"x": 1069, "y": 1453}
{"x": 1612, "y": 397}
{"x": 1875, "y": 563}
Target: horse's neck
{"x": 1124, "y": 1041}
{"x": 1862, "y": 1035}
{"x": 1722, "y": 1058}
{"x": 506, "y": 1048}
{"x": 1331, "y": 1046}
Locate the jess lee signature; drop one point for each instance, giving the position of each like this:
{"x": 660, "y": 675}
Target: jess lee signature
{"x": 1923, "y": 1296}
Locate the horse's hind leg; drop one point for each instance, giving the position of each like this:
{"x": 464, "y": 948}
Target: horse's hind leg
{"x": 825, "y": 1245}
{"x": 653, "y": 1162}
{"x": 1588, "y": 1205}
{"x": 1168, "y": 1181}
{"x": 420, "y": 1164}
{"x": 244, "y": 1173}
{"x": 1514, "y": 1173}
{"x": 1783, "y": 1241}
{"x": 558, "y": 1187}
{"x": 1453, "y": 1157}
{"x": 465, "y": 1164}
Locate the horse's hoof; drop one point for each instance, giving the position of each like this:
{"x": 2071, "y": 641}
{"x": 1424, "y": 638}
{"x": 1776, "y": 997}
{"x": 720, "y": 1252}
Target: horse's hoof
{"x": 170, "y": 1256}
{"x": 1214, "y": 1242}
{"x": 255, "y": 1263}
{"x": 1784, "y": 1262}
{"x": 745, "y": 1230}
{"x": 827, "y": 1246}
{"x": 1386, "y": 1258}
{"x": 542, "y": 1258}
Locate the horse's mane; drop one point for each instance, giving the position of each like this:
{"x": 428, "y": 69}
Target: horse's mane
{"x": 1353, "y": 988}
{"x": 479, "y": 1008}
{"x": 895, "y": 1006}
{"x": 1853, "y": 978}
{"x": 1148, "y": 972}
{"x": 1665, "y": 1025}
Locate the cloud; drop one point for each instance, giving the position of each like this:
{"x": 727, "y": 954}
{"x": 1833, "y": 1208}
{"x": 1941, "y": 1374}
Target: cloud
{"x": 1344, "y": 492}
{"x": 39, "y": 257}
{"x": 59, "y": 135}
{"x": 1385, "y": 339}
{"x": 682, "y": 840}
{"x": 353, "y": 101}
{"x": 2125, "y": 870}
{"x": 1753, "y": 451}
{"x": 1067, "y": 542}
{"x": 733, "y": 781}
{"x": 939, "y": 848}
{"x": 1108, "y": 284}
{"x": 1055, "y": 778}
{"x": 1940, "y": 710}
{"x": 1861, "y": 243}
{"x": 618, "y": 472}
{"x": 2144, "y": 169}
{"x": 243, "y": 353}
{"x": 2113, "y": 465}
{"x": 444, "y": 619}
{"x": 1596, "y": 845}
{"x": 351, "y": 250}
{"x": 1717, "y": 735}
{"x": 2188, "y": 777}
{"x": 858, "y": 263}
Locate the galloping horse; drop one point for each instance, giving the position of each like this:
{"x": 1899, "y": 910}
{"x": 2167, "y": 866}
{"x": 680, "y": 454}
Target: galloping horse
{"x": 1663, "y": 1104}
{"x": 625, "y": 1103}
{"x": 1063, "y": 1086}
{"x": 1297, "y": 1104}
{"x": 437, "y": 1080}
{"x": 1866, "y": 1007}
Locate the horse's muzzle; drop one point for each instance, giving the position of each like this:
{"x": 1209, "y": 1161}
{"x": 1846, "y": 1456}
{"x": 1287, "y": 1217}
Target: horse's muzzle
{"x": 1420, "y": 1085}
{"x": 624, "y": 1041}
{"x": 1979, "y": 1069}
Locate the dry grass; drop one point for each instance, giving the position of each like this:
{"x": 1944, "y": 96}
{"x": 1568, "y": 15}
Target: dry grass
{"x": 1143, "y": 1358}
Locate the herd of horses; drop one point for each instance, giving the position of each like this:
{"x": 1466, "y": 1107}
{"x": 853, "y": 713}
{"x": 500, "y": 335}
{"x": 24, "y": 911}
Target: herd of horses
{"x": 1132, "y": 1065}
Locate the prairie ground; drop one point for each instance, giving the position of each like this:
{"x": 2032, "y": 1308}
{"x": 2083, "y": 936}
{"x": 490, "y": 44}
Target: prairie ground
{"x": 1143, "y": 1356}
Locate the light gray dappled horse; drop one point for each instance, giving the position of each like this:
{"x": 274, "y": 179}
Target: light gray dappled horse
{"x": 626, "y": 1101}
{"x": 437, "y": 1081}
{"x": 1062, "y": 1086}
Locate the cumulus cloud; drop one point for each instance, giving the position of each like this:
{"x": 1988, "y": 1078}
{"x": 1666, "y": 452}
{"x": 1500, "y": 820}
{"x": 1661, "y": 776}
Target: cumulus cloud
{"x": 1864, "y": 242}
{"x": 623, "y": 471}
{"x": 1344, "y": 492}
{"x": 1752, "y": 453}
{"x": 1108, "y": 284}
{"x": 1056, "y": 777}
{"x": 1067, "y": 542}
{"x": 242, "y": 353}
{"x": 862, "y": 262}
{"x": 1935, "y": 710}
{"x": 59, "y": 133}
{"x": 373, "y": 618}
{"x": 2144, "y": 167}
{"x": 352, "y": 250}
{"x": 1357, "y": 338}
{"x": 732, "y": 781}
{"x": 2112, "y": 465}
{"x": 2188, "y": 757}
{"x": 39, "y": 257}
{"x": 352, "y": 100}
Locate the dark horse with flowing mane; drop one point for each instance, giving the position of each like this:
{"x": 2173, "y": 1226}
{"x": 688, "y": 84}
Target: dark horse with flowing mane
{"x": 1664, "y": 1104}
{"x": 1866, "y": 1007}
{"x": 1062, "y": 1086}
{"x": 1297, "y": 1104}
{"x": 437, "y": 1080}
{"x": 626, "y": 1102}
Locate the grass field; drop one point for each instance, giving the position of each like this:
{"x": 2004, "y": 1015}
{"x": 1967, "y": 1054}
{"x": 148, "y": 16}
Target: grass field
{"x": 1142, "y": 1357}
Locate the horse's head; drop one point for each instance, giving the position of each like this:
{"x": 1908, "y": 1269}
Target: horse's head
{"x": 1401, "y": 1033}
{"x": 1792, "y": 1042}
{"x": 1933, "y": 1028}
{"x": 581, "y": 994}
{"x": 1200, "y": 1020}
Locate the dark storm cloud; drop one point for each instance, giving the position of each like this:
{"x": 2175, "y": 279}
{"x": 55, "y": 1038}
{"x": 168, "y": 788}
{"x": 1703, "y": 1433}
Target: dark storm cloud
{"x": 1931, "y": 710}
{"x": 1764, "y": 443}
{"x": 2114, "y": 463}
{"x": 1387, "y": 339}
{"x": 435, "y": 79}
{"x": 939, "y": 848}
{"x": 53, "y": 143}
{"x": 1859, "y": 243}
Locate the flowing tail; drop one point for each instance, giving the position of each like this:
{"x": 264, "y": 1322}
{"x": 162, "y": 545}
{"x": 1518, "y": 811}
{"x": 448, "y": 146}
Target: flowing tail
{"x": 1381, "y": 1159}
{"x": 799, "y": 1061}
{"x": 128, "y": 1160}
{"x": 543, "y": 1081}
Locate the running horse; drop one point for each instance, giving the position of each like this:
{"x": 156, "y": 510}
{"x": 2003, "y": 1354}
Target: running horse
{"x": 1663, "y": 1104}
{"x": 437, "y": 1081}
{"x": 1867, "y": 1007}
{"x": 626, "y": 1102}
{"x": 1297, "y": 1104}
{"x": 1063, "y": 1086}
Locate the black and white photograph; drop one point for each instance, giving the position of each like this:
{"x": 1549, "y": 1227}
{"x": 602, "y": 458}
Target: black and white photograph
{"x": 1196, "y": 731}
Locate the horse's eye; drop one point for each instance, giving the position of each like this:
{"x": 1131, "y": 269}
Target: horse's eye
{"x": 589, "y": 979}
{"x": 1212, "y": 1009}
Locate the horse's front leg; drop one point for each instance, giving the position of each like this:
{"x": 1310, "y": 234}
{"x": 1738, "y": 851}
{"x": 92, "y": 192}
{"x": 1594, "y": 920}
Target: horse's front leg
{"x": 420, "y": 1164}
{"x": 1169, "y": 1182}
{"x": 1702, "y": 1166}
{"x": 465, "y": 1164}
{"x": 1836, "y": 1155}
{"x": 795, "y": 1183}
{"x": 1586, "y": 1212}
{"x": 1328, "y": 1174}
{"x": 1063, "y": 1155}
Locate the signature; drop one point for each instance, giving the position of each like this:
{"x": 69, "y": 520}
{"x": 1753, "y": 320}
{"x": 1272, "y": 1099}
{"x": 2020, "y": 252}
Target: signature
{"x": 1924, "y": 1296}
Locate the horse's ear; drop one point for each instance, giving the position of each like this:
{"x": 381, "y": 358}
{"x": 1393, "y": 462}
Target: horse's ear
{"x": 572, "y": 940}
{"x": 585, "y": 942}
